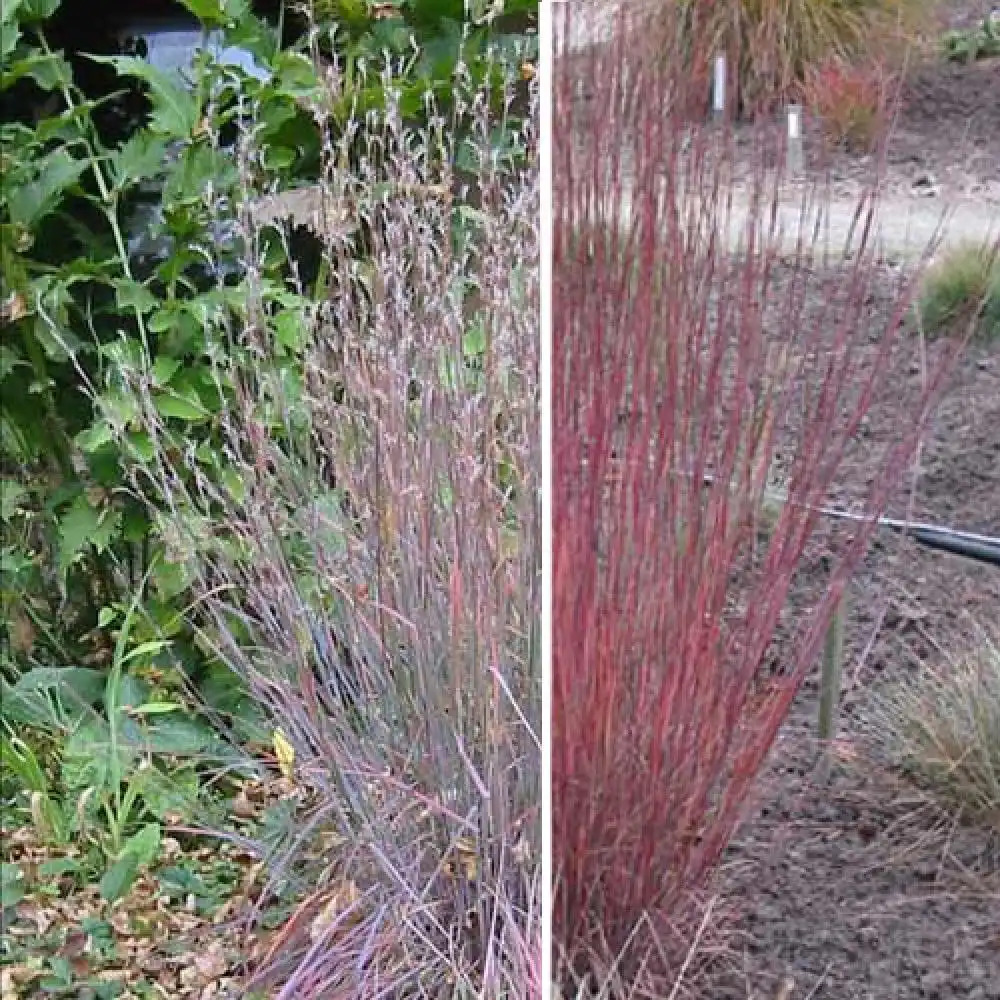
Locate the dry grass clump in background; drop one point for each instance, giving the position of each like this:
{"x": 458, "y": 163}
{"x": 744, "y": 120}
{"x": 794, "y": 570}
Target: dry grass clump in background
{"x": 777, "y": 43}
{"x": 941, "y": 728}
{"x": 851, "y": 101}
{"x": 962, "y": 286}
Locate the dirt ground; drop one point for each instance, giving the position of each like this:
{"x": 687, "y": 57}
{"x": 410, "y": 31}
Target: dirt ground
{"x": 860, "y": 889}
{"x": 945, "y": 144}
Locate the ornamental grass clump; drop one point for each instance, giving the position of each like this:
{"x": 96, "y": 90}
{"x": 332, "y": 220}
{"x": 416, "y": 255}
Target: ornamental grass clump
{"x": 941, "y": 729}
{"x": 775, "y": 45}
{"x": 702, "y": 366}
{"x": 362, "y": 541}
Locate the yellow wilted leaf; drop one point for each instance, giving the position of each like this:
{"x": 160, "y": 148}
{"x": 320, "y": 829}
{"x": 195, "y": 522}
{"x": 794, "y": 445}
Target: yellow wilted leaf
{"x": 466, "y": 859}
{"x": 343, "y": 898}
{"x": 285, "y": 753}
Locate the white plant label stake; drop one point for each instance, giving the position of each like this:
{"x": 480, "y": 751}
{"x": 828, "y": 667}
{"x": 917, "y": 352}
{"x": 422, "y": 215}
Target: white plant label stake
{"x": 795, "y": 154}
{"x": 719, "y": 87}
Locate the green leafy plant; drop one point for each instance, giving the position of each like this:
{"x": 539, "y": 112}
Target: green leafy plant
{"x": 110, "y": 741}
{"x": 961, "y": 288}
{"x": 969, "y": 44}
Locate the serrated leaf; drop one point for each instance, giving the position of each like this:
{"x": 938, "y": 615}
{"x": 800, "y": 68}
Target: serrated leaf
{"x": 175, "y": 110}
{"x": 76, "y": 529}
{"x": 29, "y": 203}
{"x": 139, "y": 159}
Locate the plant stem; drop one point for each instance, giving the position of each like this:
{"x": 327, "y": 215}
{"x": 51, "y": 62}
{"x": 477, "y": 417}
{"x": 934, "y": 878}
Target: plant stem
{"x": 833, "y": 669}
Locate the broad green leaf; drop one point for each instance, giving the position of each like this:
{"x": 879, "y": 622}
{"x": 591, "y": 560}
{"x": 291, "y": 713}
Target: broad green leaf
{"x": 11, "y": 495}
{"x": 56, "y": 868}
{"x": 218, "y": 13}
{"x": 11, "y": 884}
{"x": 96, "y": 437}
{"x": 52, "y": 697}
{"x": 144, "y": 845}
{"x": 120, "y": 877}
{"x": 90, "y": 760}
{"x": 474, "y": 341}
{"x": 131, "y": 692}
{"x": 35, "y": 11}
{"x": 82, "y": 526}
{"x": 178, "y": 734}
{"x": 176, "y": 792}
{"x": 77, "y": 527}
{"x": 29, "y": 203}
{"x": 175, "y": 109}
{"x": 255, "y": 36}
{"x": 131, "y": 294}
{"x": 290, "y": 330}
{"x": 49, "y": 71}
{"x": 9, "y": 357}
{"x": 10, "y": 35}
{"x": 186, "y": 407}
{"x": 164, "y": 369}
{"x": 141, "y": 446}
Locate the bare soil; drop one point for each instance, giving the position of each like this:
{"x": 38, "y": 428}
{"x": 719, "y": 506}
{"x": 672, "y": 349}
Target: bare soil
{"x": 861, "y": 889}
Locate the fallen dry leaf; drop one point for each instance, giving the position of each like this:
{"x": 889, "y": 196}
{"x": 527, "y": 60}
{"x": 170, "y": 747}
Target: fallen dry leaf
{"x": 344, "y": 897}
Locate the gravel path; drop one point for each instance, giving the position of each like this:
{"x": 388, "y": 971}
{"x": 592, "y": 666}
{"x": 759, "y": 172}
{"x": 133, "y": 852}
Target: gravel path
{"x": 904, "y": 228}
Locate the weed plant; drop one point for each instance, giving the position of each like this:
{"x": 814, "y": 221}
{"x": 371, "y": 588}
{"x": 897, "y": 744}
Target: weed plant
{"x": 962, "y": 286}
